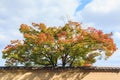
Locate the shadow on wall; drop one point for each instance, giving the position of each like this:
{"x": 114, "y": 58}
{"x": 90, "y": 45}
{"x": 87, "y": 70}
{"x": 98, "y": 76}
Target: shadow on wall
{"x": 42, "y": 75}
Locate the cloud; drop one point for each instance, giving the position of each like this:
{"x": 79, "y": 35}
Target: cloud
{"x": 104, "y": 14}
{"x": 12, "y": 14}
{"x": 112, "y": 61}
{"x": 48, "y": 11}
{"x": 51, "y": 12}
{"x": 2, "y": 37}
{"x": 103, "y": 7}
{"x": 117, "y": 35}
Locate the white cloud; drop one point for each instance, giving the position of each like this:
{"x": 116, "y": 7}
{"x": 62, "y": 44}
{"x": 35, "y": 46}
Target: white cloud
{"x": 106, "y": 6}
{"x": 2, "y": 37}
{"x": 14, "y": 13}
{"x": 48, "y": 11}
{"x": 117, "y": 35}
{"x": 112, "y": 61}
{"x": 104, "y": 14}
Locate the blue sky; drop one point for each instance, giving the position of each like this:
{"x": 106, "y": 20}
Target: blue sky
{"x": 101, "y": 14}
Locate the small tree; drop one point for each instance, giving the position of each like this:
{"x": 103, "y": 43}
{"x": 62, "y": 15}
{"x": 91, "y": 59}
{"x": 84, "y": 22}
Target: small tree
{"x": 46, "y": 46}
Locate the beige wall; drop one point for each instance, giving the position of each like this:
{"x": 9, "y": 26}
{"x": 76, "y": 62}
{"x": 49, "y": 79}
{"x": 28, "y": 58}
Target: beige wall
{"x": 57, "y": 75}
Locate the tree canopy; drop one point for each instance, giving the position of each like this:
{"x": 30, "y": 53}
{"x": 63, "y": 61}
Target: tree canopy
{"x": 68, "y": 45}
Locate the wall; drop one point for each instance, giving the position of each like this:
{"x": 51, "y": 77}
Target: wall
{"x": 74, "y": 74}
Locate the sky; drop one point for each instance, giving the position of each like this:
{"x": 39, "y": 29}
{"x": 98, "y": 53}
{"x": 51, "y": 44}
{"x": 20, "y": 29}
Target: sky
{"x": 101, "y": 14}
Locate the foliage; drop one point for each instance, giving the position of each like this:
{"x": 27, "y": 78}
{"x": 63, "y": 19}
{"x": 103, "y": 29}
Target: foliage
{"x": 71, "y": 45}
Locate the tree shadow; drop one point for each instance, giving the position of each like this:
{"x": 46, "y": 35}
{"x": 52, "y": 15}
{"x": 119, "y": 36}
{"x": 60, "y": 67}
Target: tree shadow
{"x": 42, "y": 75}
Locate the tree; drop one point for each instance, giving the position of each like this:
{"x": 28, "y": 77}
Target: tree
{"x": 71, "y": 45}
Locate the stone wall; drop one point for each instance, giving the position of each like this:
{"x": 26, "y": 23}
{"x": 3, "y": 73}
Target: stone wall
{"x": 62, "y": 74}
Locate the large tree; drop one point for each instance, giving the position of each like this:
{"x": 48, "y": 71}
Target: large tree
{"x": 70, "y": 45}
